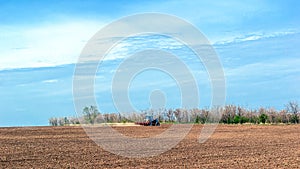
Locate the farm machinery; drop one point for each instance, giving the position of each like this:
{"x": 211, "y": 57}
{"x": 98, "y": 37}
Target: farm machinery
{"x": 149, "y": 121}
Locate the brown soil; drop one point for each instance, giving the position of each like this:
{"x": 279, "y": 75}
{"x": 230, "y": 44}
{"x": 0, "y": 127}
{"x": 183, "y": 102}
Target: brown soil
{"x": 231, "y": 146}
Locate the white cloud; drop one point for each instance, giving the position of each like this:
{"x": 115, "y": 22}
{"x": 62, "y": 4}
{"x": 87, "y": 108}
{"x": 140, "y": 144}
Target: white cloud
{"x": 252, "y": 37}
{"x": 44, "y": 45}
{"x": 50, "y": 81}
{"x": 61, "y": 43}
{"x": 135, "y": 44}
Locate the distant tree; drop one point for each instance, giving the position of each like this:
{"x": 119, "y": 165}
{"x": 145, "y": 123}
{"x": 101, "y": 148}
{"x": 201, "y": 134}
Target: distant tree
{"x": 197, "y": 120}
{"x": 236, "y": 119}
{"x": 61, "y": 121}
{"x": 90, "y": 114}
{"x": 53, "y": 121}
{"x": 283, "y": 116}
{"x": 293, "y": 108}
{"x": 228, "y": 114}
{"x": 194, "y": 114}
{"x": 272, "y": 115}
{"x": 251, "y": 116}
{"x": 185, "y": 116}
{"x": 204, "y": 116}
{"x": 240, "y": 111}
{"x": 178, "y": 114}
{"x": 66, "y": 121}
{"x": 114, "y": 117}
{"x": 106, "y": 118}
{"x": 263, "y": 118}
{"x": 170, "y": 115}
{"x": 74, "y": 120}
{"x": 119, "y": 117}
{"x": 244, "y": 119}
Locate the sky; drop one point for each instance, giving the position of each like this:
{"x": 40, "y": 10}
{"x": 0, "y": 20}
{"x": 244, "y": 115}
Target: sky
{"x": 40, "y": 42}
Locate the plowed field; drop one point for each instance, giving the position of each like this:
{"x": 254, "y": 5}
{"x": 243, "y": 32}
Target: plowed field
{"x": 231, "y": 146}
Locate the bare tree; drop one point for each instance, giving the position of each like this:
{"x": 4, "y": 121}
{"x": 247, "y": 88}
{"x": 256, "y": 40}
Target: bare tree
{"x": 74, "y": 120}
{"x": 228, "y": 114}
{"x": 61, "y": 121}
{"x": 53, "y": 121}
{"x": 170, "y": 115}
{"x": 293, "y": 108}
{"x": 178, "y": 114}
{"x": 90, "y": 114}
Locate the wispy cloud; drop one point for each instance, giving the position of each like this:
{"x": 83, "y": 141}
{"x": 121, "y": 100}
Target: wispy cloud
{"x": 44, "y": 45}
{"x": 131, "y": 45}
{"x": 50, "y": 81}
{"x": 61, "y": 43}
{"x": 253, "y": 36}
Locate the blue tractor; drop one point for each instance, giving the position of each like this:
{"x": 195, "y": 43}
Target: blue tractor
{"x": 149, "y": 121}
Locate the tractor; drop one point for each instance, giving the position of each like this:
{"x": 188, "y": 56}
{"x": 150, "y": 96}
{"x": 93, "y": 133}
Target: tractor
{"x": 149, "y": 121}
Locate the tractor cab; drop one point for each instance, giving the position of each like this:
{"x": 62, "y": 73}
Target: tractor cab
{"x": 149, "y": 121}
{"x": 149, "y": 118}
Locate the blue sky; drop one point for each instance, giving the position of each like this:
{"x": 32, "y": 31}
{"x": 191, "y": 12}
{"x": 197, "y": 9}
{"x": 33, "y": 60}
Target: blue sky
{"x": 40, "y": 42}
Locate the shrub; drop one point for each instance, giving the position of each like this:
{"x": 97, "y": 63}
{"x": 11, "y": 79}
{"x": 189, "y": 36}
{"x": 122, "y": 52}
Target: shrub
{"x": 236, "y": 119}
{"x": 244, "y": 120}
{"x": 197, "y": 120}
{"x": 263, "y": 118}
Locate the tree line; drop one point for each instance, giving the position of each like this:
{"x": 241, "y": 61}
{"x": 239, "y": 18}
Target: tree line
{"x": 230, "y": 114}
